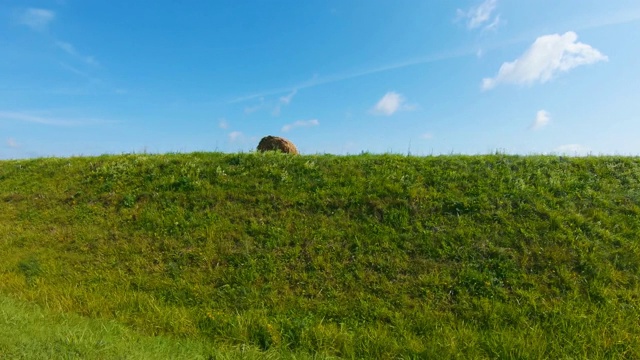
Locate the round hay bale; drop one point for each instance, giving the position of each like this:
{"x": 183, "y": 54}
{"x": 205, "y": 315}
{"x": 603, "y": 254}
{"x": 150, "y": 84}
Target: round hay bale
{"x": 276, "y": 143}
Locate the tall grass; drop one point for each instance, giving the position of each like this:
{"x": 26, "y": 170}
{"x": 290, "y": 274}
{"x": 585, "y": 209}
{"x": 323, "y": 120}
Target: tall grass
{"x": 370, "y": 256}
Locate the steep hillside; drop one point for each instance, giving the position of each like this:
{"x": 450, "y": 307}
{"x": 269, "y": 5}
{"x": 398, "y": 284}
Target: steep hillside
{"x": 369, "y": 256}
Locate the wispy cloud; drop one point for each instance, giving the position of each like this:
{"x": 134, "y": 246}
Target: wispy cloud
{"x": 549, "y": 56}
{"x": 542, "y": 120}
{"x": 497, "y": 21}
{"x": 235, "y": 136}
{"x": 12, "y": 143}
{"x": 255, "y": 108}
{"x": 223, "y": 123}
{"x": 283, "y": 101}
{"x": 81, "y": 73}
{"x": 39, "y": 20}
{"x": 274, "y": 106}
{"x": 479, "y": 15}
{"x": 75, "y": 70}
{"x": 36, "y": 119}
{"x": 599, "y": 20}
{"x": 300, "y": 123}
{"x": 71, "y": 50}
{"x": 36, "y": 19}
{"x": 286, "y": 100}
{"x": 391, "y": 103}
{"x": 426, "y": 136}
{"x": 572, "y": 149}
{"x": 317, "y": 80}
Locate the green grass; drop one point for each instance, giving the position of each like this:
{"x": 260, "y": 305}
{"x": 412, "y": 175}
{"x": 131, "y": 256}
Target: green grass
{"x": 369, "y": 256}
{"x": 28, "y": 332}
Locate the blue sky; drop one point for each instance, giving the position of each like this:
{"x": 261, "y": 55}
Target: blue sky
{"x": 89, "y": 77}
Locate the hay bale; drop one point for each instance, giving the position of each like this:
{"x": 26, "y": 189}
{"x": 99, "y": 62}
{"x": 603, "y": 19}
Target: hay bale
{"x": 276, "y": 143}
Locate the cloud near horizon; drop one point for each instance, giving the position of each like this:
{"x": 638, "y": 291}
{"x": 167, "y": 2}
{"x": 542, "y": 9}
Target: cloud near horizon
{"x": 235, "y": 136}
{"x": 300, "y": 123}
{"x": 390, "y": 103}
{"x": 549, "y": 56}
{"x": 542, "y": 120}
{"x": 11, "y": 142}
{"x": 572, "y": 149}
{"x": 36, "y": 19}
{"x": 18, "y": 116}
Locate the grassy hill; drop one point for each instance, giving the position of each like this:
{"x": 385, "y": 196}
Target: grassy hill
{"x": 369, "y": 256}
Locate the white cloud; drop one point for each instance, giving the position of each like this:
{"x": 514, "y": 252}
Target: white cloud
{"x": 390, "y": 103}
{"x": 37, "y": 19}
{"x": 12, "y": 143}
{"x": 478, "y": 15}
{"x": 235, "y": 136}
{"x": 300, "y": 123}
{"x": 223, "y": 123}
{"x": 572, "y": 149}
{"x": 426, "y": 136}
{"x": 545, "y": 59}
{"x": 542, "y": 120}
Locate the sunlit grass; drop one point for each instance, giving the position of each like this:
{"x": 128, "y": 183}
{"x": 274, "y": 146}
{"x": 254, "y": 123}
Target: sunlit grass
{"x": 369, "y": 256}
{"x": 28, "y": 332}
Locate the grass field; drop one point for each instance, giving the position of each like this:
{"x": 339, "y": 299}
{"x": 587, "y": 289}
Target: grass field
{"x": 371, "y": 256}
{"x": 28, "y": 332}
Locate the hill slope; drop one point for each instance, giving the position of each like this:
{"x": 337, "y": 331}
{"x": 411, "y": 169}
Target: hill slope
{"x": 360, "y": 256}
